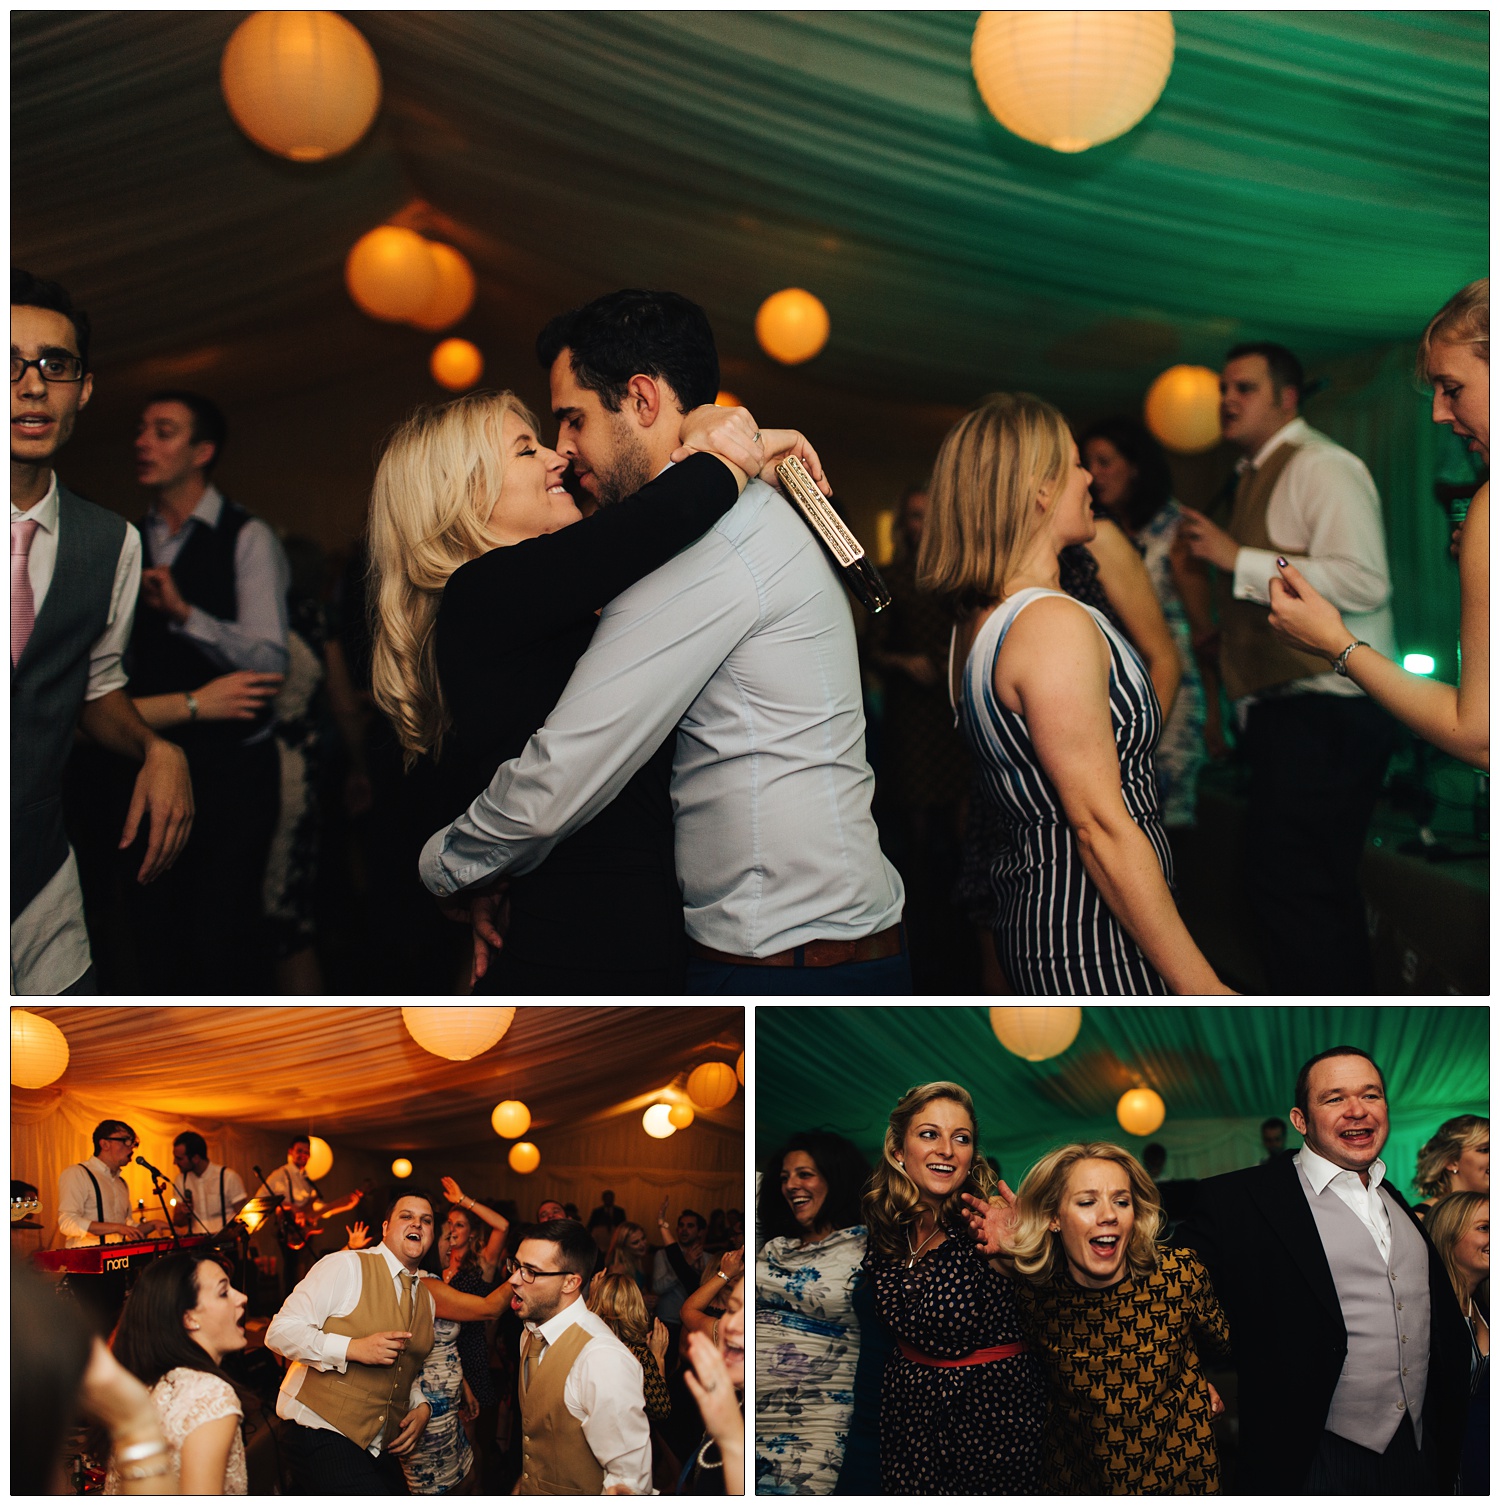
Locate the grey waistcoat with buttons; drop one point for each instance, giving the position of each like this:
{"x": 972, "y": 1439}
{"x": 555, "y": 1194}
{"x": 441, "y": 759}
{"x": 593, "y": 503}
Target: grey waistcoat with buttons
{"x": 1387, "y": 1316}
{"x": 47, "y": 689}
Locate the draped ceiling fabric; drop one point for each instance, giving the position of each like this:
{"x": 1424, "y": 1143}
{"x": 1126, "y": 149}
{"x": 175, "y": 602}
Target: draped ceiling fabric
{"x": 1315, "y": 177}
{"x": 247, "y": 1077}
{"x": 1220, "y": 1070}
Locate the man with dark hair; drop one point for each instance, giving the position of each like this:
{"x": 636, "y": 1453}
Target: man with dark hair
{"x": 743, "y": 643}
{"x": 549, "y": 1210}
{"x": 1352, "y": 1354}
{"x": 1316, "y": 745}
{"x": 208, "y": 1195}
{"x": 74, "y": 569}
{"x": 301, "y": 1206}
{"x": 213, "y": 601}
{"x": 1273, "y": 1138}
{"x": 583, "y": 1413}
{"x": 92, "y": 1199}
{"x": 678, "y": 1267}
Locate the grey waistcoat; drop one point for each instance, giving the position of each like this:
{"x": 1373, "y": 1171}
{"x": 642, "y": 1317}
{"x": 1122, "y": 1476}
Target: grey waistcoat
{"x": 1387, "y": 1316}
{"x": 47, "y": 689}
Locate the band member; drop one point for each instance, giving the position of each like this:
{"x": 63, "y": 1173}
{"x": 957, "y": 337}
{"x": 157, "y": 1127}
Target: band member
{"x": 301, "y": 1207}
{"x": 92, "y": 1200}
{"x": 208, "y": 1195}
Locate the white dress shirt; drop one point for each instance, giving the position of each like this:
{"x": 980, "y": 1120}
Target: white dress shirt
{"x": 1324, "y": 512}
{"x": 49, "y": 944}
{"x": 208, "y": 1212}
{"x": 77, "y": 1207}
{"x": 744, "y": 642}
{"x": 330, "y": 1290}
{"x": 293, "y": 1186}
{"x": 605, "y": 1392}
{"x": 1364, "y": 1202}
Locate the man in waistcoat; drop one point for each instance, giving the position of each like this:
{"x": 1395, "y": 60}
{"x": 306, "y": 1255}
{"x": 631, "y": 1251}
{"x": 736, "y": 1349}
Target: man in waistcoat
{"x": 213, "y": 600}
{"x": 74, "y": 569}
{"x": 1316, "y": 745}
{"x": 583, "y": 1415}
{"x": 357, "y": 1332}
{"x": 1352, "y": 1354}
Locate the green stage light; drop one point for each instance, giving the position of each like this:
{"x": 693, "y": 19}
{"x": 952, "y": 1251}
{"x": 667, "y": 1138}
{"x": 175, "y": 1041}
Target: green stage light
{"x": 1419, "y": 664}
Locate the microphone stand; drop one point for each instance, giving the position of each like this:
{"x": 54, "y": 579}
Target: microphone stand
{"x": 159, "y": 1185}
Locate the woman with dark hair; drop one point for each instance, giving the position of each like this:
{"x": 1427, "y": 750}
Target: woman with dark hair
{"x": 181, "y": 1318}
{"x": 1459, "y": 1226}
{"x": 1115, "y": 1322}
{"x": 1456, "y": 1159}
{"x": 806, "y": 1332}
{"x": 1132, "y": 486}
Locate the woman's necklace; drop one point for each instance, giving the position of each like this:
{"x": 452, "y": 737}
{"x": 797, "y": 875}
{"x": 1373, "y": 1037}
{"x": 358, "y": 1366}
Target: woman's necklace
{"x": 703, "y": 1463}
{"x": 917, "y": 1249}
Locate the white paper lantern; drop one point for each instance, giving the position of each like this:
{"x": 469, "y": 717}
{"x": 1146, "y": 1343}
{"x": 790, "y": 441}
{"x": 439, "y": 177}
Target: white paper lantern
{"x": 401, "y": 1167}
{"x": 1071, "y": 79}
{"x": 1141, "y": 1111}
{"x": 458, "y": 1032}
{"x": 319, "y": 1159}
{"x": 38, "y": 1050}
{"x": 1036, "y": 1031}
{"x": 657, "y": 1121}
{"x": 1182, "y": 409}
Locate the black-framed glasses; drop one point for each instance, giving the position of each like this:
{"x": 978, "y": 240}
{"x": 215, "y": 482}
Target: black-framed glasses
{"x": 51, "y": 368}
{"x": 529, "y": 1273}
{"x": 129, "y": 1140}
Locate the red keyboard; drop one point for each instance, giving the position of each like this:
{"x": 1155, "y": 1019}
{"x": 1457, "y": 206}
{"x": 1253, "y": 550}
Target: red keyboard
{"x": 118, "y": 1255}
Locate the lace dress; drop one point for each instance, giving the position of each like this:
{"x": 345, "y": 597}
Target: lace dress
{"x": 806, "y": 1348}
{"x": 442, "y": 1457}
{"x": 185, "y": 1400}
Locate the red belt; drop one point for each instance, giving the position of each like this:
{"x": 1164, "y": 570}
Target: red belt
{"x": 979, "y": 1357}
{"x": 883, "y": 944}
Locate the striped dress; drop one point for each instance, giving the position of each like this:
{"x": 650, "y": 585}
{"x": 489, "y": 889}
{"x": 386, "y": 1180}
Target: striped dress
{"x": 1054, "y": 934}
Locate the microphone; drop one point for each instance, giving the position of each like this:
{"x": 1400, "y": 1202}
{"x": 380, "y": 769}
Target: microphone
{"x": 160, "y": 1175}
{"x": 860, "y": 575}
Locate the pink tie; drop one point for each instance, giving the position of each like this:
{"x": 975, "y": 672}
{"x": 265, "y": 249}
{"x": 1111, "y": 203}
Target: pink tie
{"x": 22, "y": 602}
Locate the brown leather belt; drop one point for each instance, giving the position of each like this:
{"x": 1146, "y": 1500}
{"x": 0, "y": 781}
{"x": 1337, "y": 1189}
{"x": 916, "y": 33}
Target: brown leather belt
{"x": 886, "y": 943}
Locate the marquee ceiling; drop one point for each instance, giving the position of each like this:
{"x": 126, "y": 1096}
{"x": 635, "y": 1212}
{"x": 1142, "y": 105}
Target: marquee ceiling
{"x": 1318, "y": 177}
{"x": 354, "y": 1072}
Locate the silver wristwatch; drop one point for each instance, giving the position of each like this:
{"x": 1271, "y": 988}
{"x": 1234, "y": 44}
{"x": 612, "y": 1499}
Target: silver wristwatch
{"x": 192, "y": 704}
{"x": 1341, "y": 664}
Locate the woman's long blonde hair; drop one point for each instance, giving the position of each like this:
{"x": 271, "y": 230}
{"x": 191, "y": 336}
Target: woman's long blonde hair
{"x": 1463, "y": 320}
{"x": 892, "y": 1203}
{"x": 1038, "y": 1251}
{"x": 434, "y": 487}
{"x": 981, "y": 517}
{"x": 617, "y": 1299}
{"x": 1449, "y": 1141}
{"x": 1447, "y": 1222}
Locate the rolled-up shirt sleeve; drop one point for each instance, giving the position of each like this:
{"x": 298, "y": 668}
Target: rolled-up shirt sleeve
{"x": 76, "y": 1207}
{"x": 1325, "y": 515}
{"x": 329, "y": 1290}
{"x": 656, "y": 646}
{"x": 607, "y": 1396}
{"x": 256, "y": 637}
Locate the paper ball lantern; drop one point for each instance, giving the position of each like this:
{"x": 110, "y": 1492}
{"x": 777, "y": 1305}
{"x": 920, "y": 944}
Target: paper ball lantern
{"x": 792, "y": 326}
{"x": 739, "y": 1067}
{"x": 1036, "y": 1031}
{"x": 454, "y": 294}
{"x": 401, "y": 1167}
{"x": 524, "y": 1157}
{"x": 657, "y": 1121}
{"x": 391, "y": 273}
{"x": 456, "y": 1031}
{"x": 456, "y": 365}
{"x": 301, "y": 83}
{"x": 1141, "y": 1111}
{"x": 712, "y": 1085}
{"x": 726, "y": 399}
{"x": 1182, "y": 409}
{"x": 511, "y": 1119}
{"x": 1070, "y": 79}
{"x": 38, "y": 1050}
{"x": 680, "y": 1115}
{"x": 319, "y": 1158}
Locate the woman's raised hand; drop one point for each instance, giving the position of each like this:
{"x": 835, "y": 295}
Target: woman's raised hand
{"x": 451, "y": 1190}
{"x": 732, "y": 1263}
{"x": 992, "y": 1224}
{"x": 727, "y": 432}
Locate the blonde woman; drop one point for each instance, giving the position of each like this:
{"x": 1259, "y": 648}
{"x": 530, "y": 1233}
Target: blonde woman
{"x": 961, "y": 1403}
{"x": 1459, "y": 1227}
{"x": 1116, "y": 1323}
{"x": 486, "y": 589}
{"x": 617, "y": 1299}
{"x": 1060, "y": 713}
{"x": 1454, "y": 357}
{"x": 1456, "y": 1159}
{"x": 629, "y": 1254}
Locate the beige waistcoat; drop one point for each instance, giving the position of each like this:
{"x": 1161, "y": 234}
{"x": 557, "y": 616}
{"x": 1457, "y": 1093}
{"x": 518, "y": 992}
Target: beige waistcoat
{"x": 555, "y": 1456}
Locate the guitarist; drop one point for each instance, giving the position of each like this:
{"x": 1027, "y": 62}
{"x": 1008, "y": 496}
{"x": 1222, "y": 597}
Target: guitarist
{"x": 301, "y": 1208}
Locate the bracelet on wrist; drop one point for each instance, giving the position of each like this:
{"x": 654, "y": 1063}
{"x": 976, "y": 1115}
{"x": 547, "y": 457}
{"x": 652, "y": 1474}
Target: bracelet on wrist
{"x": 134, "y": 1452}
{"x": 155, "y": 1470}
{"x": 1341, "y": 663}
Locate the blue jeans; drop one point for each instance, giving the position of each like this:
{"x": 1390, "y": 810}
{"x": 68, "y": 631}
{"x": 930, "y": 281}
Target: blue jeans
{"x": 888, "y": 975}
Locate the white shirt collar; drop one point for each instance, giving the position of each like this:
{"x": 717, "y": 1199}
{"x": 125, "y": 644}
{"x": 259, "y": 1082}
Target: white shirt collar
{"x": 1320, "y": 1171}
{"x": 1291, "y": 433}
{"x": 210, "y": 505}
{"x": 113, "y": 1171}
{"x": 559, "y": 1323}
{"x": 44, "y": 513}
{"x": 393, "y": 1263}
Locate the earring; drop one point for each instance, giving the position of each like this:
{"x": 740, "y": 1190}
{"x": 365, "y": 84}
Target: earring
{"x": 901, "y": 1164}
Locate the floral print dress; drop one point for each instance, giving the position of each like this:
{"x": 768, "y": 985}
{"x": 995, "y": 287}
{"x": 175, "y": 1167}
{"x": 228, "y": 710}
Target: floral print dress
{"x": 806, "y": 1347}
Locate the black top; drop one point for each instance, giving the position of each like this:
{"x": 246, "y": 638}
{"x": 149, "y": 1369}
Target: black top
{"x": 510, "y": 629}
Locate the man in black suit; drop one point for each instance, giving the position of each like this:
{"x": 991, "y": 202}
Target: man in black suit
{"x": 1351, "y": 1350}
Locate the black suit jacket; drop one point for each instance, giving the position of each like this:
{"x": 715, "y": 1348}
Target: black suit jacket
{"x": 1256, "y": 1234}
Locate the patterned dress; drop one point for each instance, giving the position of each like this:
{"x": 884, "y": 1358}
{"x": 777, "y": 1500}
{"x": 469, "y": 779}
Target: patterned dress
{"x": 653, "y": 1386}
{"x": 1129, "y": 1410}
{"x": 967, "y": 1430}
{"x": 1054, "y": 934}
{"x": 1181, "y": 751}
{"x": 185, "y": 1400}
{"x": 806, "y": 1348}
{"x": 442, "y": 1458}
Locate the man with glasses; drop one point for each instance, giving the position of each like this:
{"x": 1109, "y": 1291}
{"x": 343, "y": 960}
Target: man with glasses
{"x": 583, "y": 1415}
{"x": 74, "y": 573}
{"x": 93, "y": 1201}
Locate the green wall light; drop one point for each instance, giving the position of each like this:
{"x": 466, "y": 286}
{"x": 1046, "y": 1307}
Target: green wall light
{"x": 1419, "y": 664}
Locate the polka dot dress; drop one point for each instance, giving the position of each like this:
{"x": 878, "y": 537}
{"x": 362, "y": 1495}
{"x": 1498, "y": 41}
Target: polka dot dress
{"x": 972, "y": 1429}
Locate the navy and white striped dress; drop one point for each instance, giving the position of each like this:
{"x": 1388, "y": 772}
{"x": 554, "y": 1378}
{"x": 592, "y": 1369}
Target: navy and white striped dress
{"x": 1054, "y": 934}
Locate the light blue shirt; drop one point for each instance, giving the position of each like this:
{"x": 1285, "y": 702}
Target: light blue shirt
{"x": 745, "y": 643}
